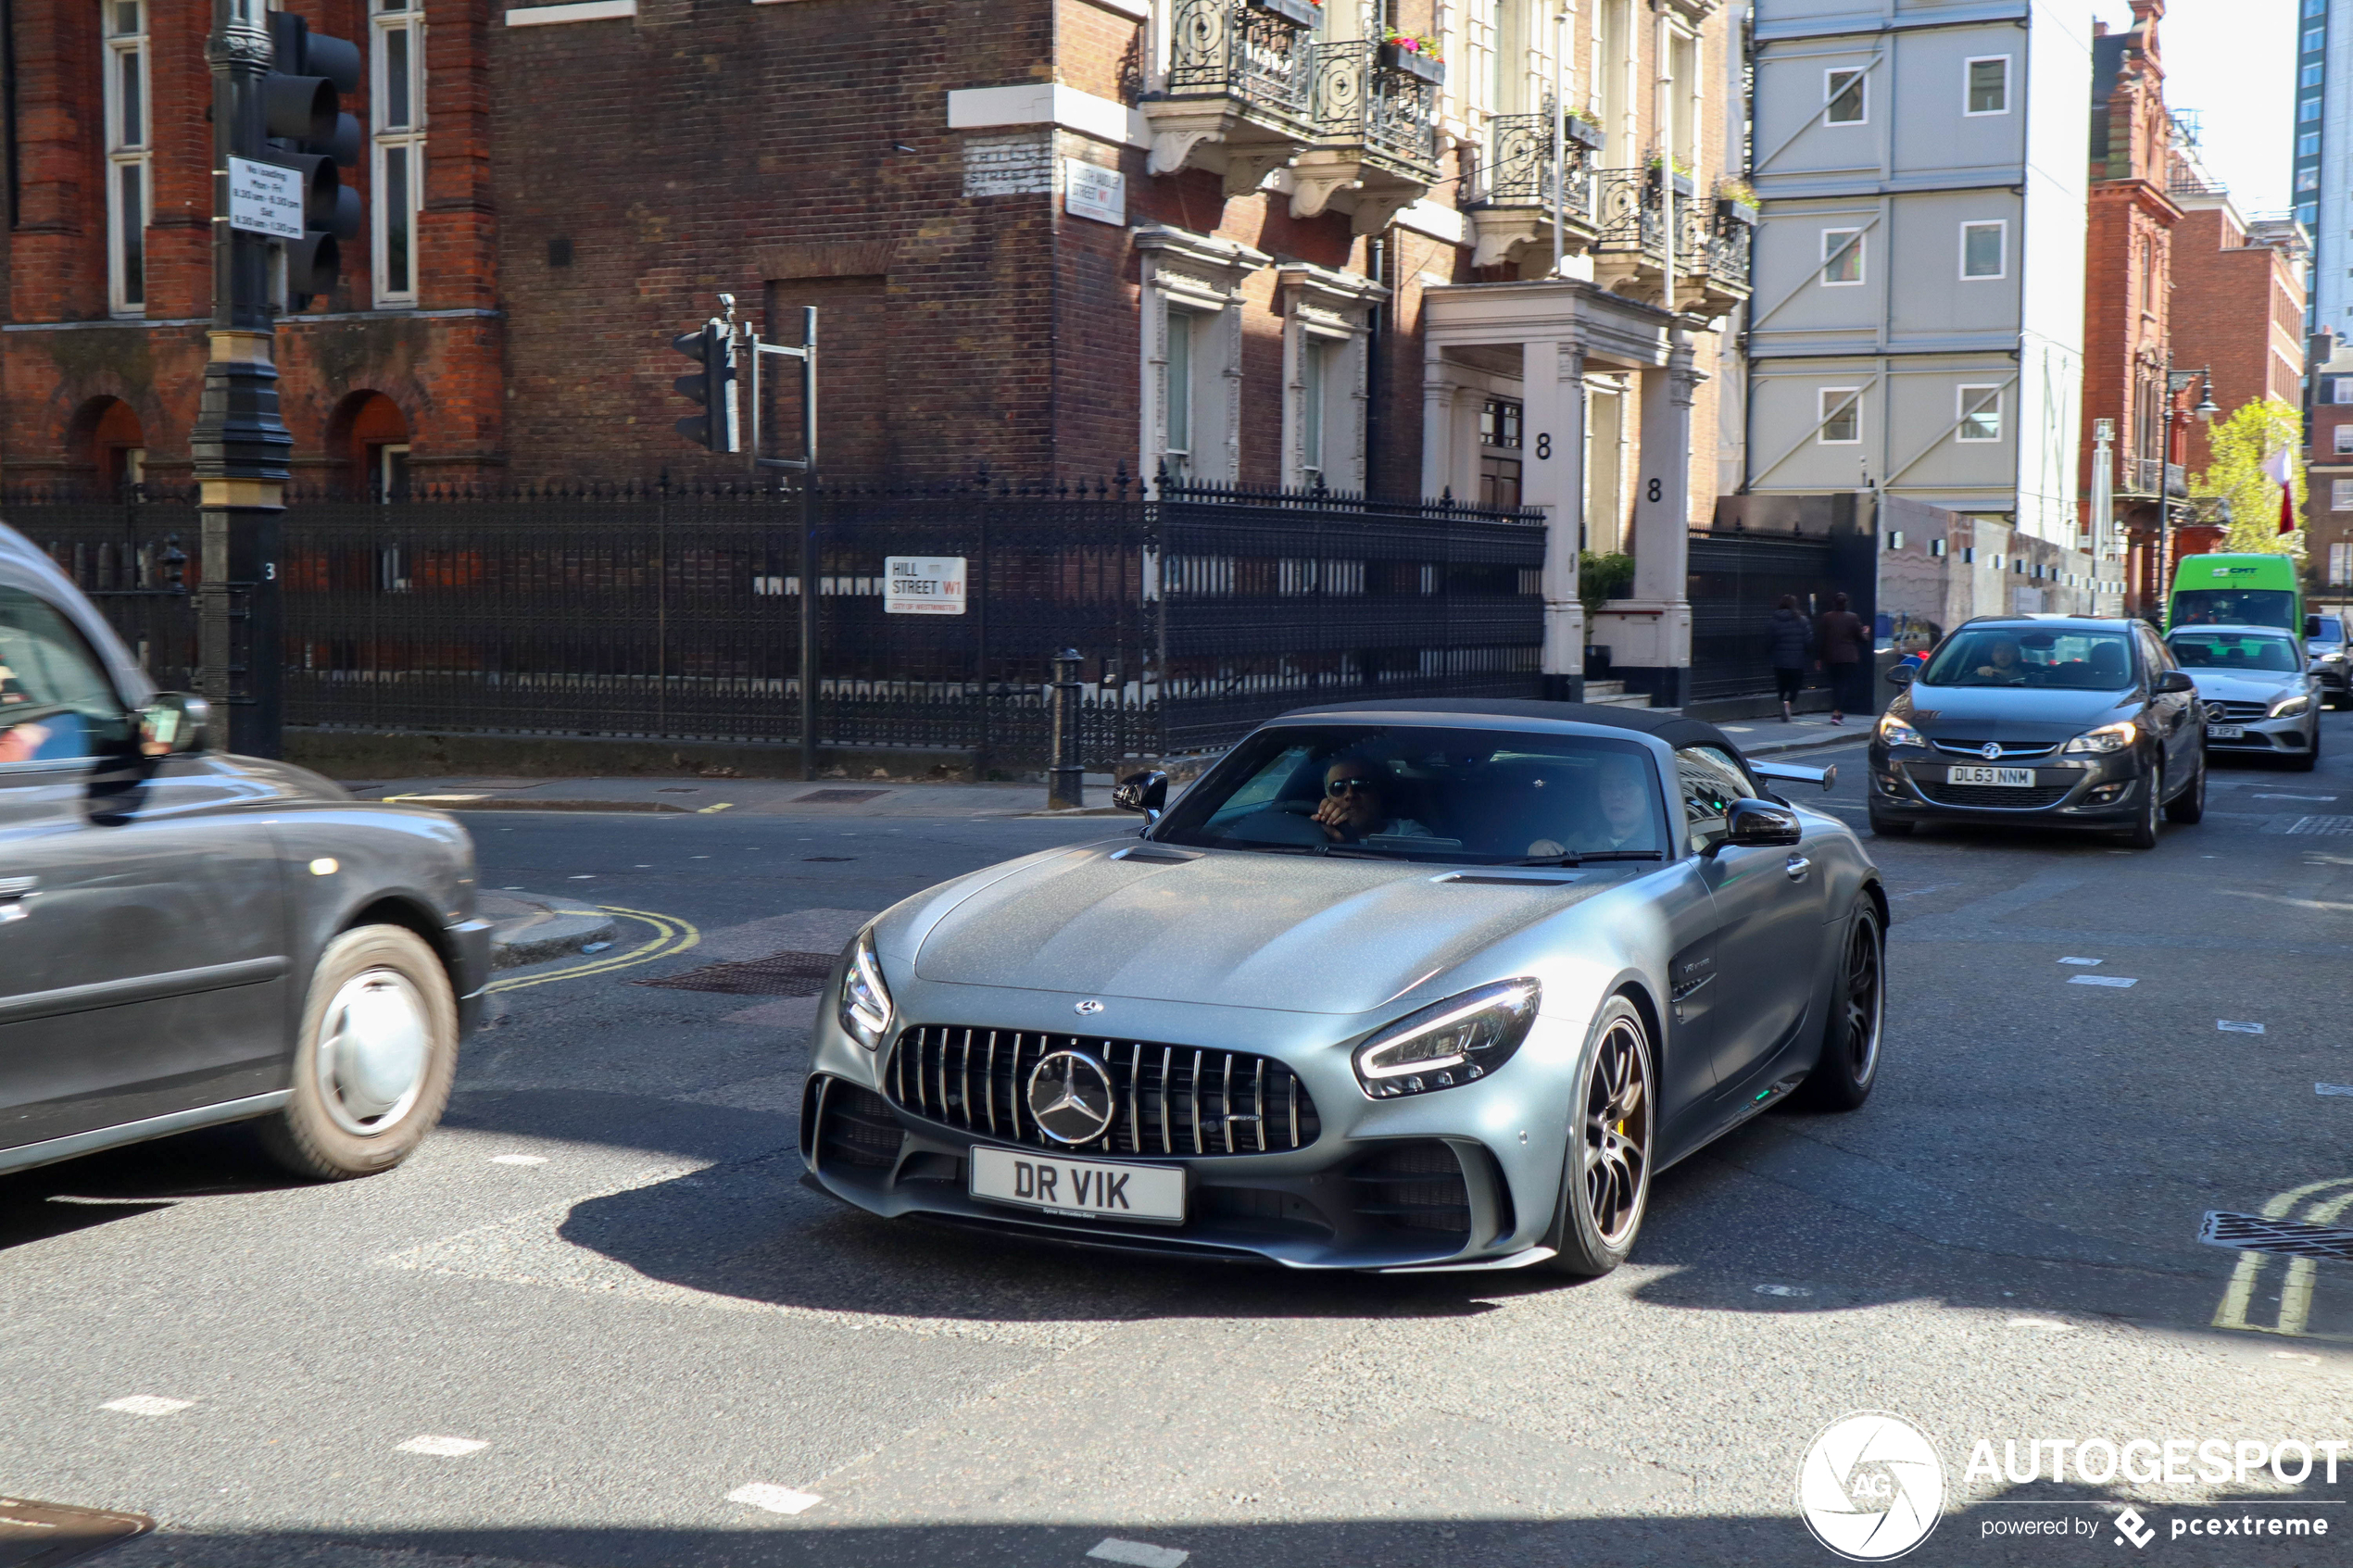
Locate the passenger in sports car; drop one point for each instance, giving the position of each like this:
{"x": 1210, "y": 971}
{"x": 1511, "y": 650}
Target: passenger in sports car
{"x": 1622, "y": 818}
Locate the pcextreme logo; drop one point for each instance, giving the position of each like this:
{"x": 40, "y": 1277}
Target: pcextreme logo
{"x": 1871, "y": 1487}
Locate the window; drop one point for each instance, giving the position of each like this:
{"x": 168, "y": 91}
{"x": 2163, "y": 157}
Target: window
{"x": 49, "y": 673}
{"x": 2341, "y": 389}
{"x": 1316, "y": 356}
{"x": 2310, "y": 75}
{"x": 2341, "y": 438}
{"x": 2309, "y": 109}
{"x": 1839, "y": 412}
{"x": 1843, "y": 97}
{"x": 1841, "y": 255}
{"x": 2309, "y": 144}
{"x": 2341, "y": 564}
{"x": 1709, "y": 782}
{"x": 398, "y": 96}
{"x": 2313, "y": 40}
{"x": 2305, "y": 214}
{"x": 2341, "y": 494}
{"x": 388, "y": 472}
{"x": 2308, "y": 180}
{"x": 128, "y": 195}
{"x": 1981, "y": 413}
{"x": 1500, "y": 424}
{"x": 1982, "y": 248}
{"x": 1177, "y": 450}
{"x": 1989, "y": 85}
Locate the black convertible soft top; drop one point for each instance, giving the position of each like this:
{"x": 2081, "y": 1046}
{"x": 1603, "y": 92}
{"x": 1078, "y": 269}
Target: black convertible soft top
{"x": 1672, "y": 728}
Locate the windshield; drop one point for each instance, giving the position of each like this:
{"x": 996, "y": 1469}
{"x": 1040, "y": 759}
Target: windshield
{"x": 2233, "y": 650}
{"x": 2327, "y": 629}
{"x": 2234, "y": 607}
{"x": 1407, "y": 792}
{"x": 2024, "y": 655}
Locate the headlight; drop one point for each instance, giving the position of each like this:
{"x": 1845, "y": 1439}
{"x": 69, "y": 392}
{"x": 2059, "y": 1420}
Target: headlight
{"x": 2107, "y": 738}
{"x": 1457, "y": 1041}
{"x": 1894, "y": 732}
{"x": 865, "y": 1008}
{"x": 2288, "y": 705}
{"x": 2335, "y": 656}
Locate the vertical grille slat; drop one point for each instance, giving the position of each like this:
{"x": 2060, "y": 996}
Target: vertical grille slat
{"x": 1207, "y": 1100}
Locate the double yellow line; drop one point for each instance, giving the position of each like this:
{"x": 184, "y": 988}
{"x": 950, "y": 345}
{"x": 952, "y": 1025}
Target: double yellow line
{"x": 671, "y": 936}
{"x": 2324, "y": 1203}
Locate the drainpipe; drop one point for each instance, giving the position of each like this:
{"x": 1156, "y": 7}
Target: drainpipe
{"x": 1663, "y": 122}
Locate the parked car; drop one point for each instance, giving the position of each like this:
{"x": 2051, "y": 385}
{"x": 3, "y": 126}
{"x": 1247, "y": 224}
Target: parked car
{"x": 2042, "y": 721}
{"x": 188, "y": 937}
{"x": 2331, "y": 658}
{"x": 2260, "y": 694}
{"x": 1395, "y": 986}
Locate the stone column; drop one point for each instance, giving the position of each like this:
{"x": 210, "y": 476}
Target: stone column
{"x": 1553, "y": 477}
{"x": 1438, "y": 426}
{"x": 1652, "y": 635}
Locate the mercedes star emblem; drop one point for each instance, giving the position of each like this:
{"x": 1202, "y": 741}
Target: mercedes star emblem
{"x": 1088, "y": 1008}
{"x": 1070, "y": 1096}
{"x": 1990, "y": 750}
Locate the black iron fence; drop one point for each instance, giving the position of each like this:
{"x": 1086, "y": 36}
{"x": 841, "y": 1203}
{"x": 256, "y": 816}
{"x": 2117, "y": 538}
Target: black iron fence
{"x": 675, "y": 614}
{"x": 1735, "y": 580}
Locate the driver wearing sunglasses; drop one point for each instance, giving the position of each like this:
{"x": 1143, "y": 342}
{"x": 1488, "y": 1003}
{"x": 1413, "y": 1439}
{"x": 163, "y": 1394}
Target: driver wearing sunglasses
{"x": 1355, "y": 805}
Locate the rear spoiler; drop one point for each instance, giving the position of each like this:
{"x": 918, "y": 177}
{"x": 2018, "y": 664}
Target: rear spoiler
{"x": 1789, "y": 772}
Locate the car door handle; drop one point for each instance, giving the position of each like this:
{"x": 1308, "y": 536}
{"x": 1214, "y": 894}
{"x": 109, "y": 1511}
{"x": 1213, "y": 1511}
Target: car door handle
{"x": 1797, "y": 866}
{"x": 14, "y": 891}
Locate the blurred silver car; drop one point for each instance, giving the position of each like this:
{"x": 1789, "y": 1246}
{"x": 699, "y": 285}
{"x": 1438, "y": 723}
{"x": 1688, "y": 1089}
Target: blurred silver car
{"x": 1394, "y": 985}
{"x": 2257, "y": 688}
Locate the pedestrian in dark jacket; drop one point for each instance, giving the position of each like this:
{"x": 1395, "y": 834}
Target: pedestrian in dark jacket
{"x": 1840, "y": 643}
{"x": 1791, "y": 641}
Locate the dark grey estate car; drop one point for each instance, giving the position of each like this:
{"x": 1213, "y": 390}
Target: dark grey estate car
{"x": 189, "y": 938}
{"x": 2047, "y": 721}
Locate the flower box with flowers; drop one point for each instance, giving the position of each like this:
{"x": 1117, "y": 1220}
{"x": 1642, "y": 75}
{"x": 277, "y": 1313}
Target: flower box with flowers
{"x": 1414, "y": 57}
{"x": 1585, "y": 133}
{"x": 1299, "y": 13}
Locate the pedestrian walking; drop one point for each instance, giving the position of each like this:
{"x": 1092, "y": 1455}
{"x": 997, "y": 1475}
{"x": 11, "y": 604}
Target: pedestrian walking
{"x": 1791, "y": 643}
{"x": 1840, "y": 642}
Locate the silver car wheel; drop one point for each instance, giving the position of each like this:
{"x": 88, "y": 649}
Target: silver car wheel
{"x": 1865, "y": 1000}
{"x": 374, "y": 1043}
{"x": 1616, "y": 1132}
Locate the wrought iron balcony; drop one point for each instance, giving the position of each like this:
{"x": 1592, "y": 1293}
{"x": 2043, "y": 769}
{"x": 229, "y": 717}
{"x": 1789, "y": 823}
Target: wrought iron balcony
{"x": 2152, "y": 476}
{"x": 1712, "y": 247}
{"x": 1375, "y": 136}
{"x": 1630, "y": 215}
{"x": 1239, "y": 93}
{"x": 1512, "y": 195}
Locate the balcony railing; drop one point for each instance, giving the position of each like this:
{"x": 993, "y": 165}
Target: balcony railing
{"x": 1236, "y": 50}
{"x": 1630, "y": 214}
{"x": 1390, "y": 114}
{"x": 2154, "y": 476}
{"x": 1520, "y": 168}
{"x": 1711, "y": 242}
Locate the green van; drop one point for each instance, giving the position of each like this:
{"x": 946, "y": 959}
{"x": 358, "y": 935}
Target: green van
{"x": 2236, "y": 590}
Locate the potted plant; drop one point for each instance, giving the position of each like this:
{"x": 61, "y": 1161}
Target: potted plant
{"x": 1736, "y": 203}
{"x": 1414, "y": 54}
{"x": 1601, "y": 578}
{"x": 1684, "y": 184}
{"x": 1584, "y": 128}
{"x": 1300, "y": 13}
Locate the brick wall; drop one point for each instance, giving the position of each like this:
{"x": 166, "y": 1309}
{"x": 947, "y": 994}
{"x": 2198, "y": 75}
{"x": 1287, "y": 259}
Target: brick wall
{"x": 2239, "y": 308}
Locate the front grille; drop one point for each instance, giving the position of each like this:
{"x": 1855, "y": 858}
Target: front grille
{"x": 1168, "y": 1099}
{"x": 1413, "y": 1186}
{"x": 855, "y": 1127}
{"x": 2010, "y": 749}
{"x": 2027, "y": 799}
{"x": 2236, "y": 712}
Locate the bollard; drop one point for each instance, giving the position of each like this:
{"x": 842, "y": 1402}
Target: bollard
{"x": 1065, "y": 780}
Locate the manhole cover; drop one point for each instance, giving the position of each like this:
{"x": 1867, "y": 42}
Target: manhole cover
{"x": 778, "y": 975}
{"x": 2323, "y": 824}
{"x": 38, "y": 1535}
{"x": 2257, "y": 1233}
{"x": 839, "y": 796}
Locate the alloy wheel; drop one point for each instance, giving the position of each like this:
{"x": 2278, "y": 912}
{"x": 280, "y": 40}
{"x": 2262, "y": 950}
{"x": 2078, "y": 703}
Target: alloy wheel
{"x": 1617, "y": 1133}
{"x": 374, "y": 1043}
{"x": 1865, "y": 998}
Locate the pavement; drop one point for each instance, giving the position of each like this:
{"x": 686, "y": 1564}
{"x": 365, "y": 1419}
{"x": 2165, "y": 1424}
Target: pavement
{"x": 597, "y": 1323}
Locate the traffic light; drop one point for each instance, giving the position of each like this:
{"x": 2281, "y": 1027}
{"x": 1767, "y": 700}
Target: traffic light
{"x": 310, "y": 133}
{"x": 710, "y": 383}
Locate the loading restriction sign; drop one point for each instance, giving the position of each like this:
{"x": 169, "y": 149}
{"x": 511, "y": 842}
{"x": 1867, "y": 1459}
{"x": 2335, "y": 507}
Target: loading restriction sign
{"x": 924, "y": 586}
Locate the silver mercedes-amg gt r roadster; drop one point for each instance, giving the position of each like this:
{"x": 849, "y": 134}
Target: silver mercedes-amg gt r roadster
{"x": 1395, "y": 986}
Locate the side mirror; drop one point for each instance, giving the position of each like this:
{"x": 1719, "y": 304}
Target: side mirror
{"x": 1143, "y": 793}
{"x": 173, "y": 723}
{"x": 2312, "y": 625}
{"x": 2173, "y": 681}
{"x": 1761, "y": 824}
{"x": 1900, "y": 675}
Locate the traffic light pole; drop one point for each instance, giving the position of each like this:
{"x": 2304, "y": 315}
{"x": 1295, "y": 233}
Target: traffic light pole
{"x": 239, "y": 442}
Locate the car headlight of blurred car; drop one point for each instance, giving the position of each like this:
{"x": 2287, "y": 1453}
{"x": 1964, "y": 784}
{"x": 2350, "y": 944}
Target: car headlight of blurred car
{"x": 1459, "y": 1040}
{"x": 2295, "y": 702}
{"x": 865, "y": 1009}
{"x": 2107, "y": 738}
{"x": 1894, "y": 732}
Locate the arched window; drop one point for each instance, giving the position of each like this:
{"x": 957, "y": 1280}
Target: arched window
{"x": 109, "y": 445}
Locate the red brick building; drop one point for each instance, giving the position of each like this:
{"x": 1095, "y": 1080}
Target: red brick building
{"x": 2328, "y": 475}
{"x": 106, "y": 265}
{"x": 2239, "y": 307}
{"x": 2128, "y": 290}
